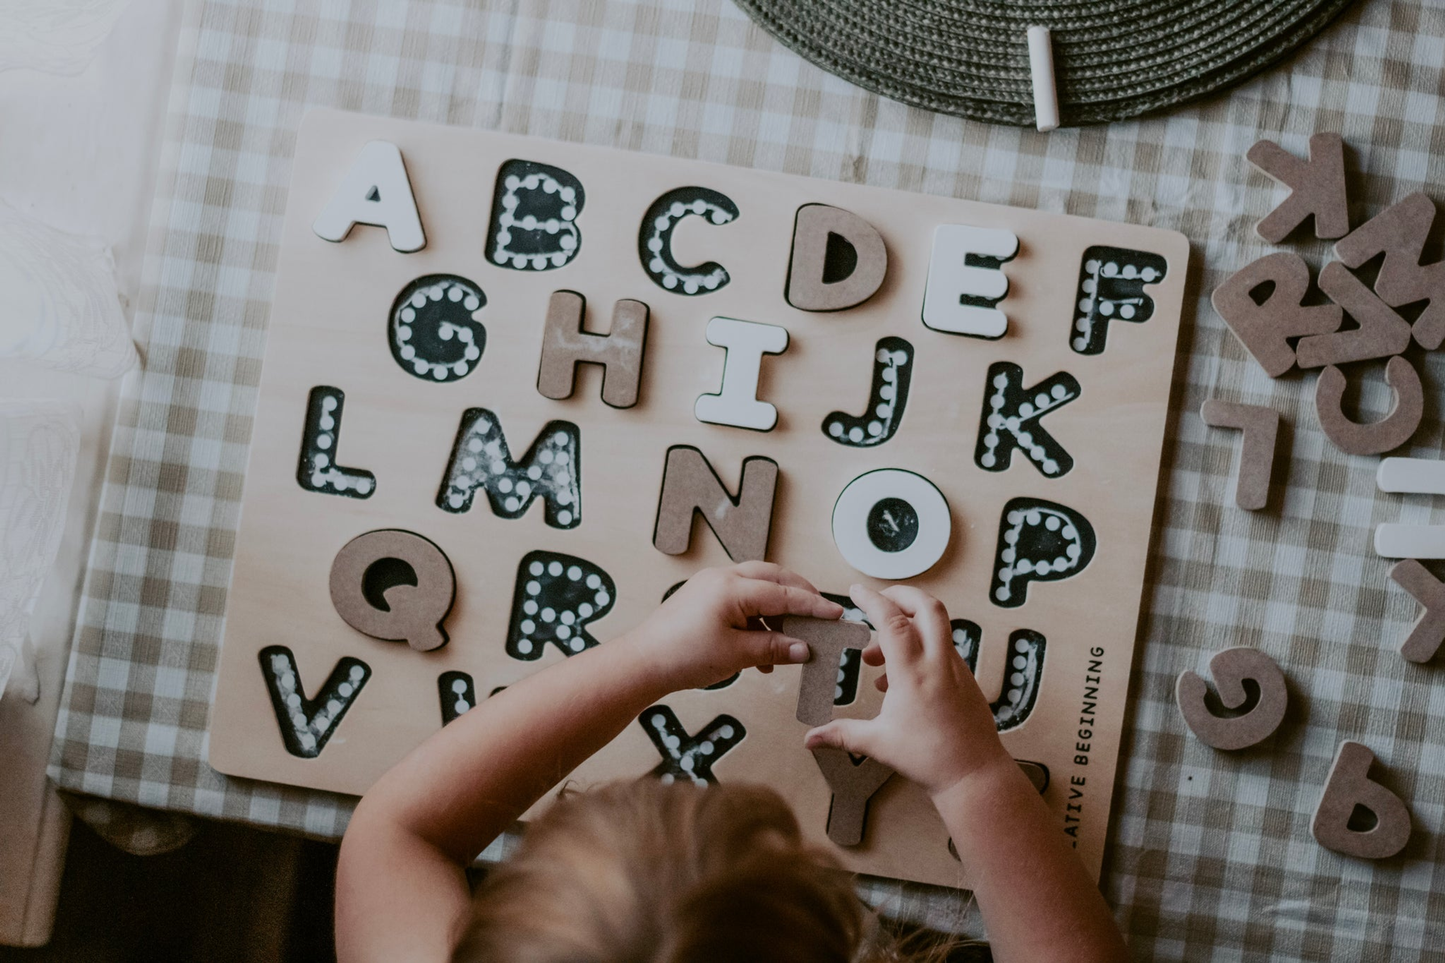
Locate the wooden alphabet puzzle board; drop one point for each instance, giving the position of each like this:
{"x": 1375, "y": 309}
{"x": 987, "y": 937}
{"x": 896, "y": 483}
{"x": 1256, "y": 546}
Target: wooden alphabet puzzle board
{"x": 986, "y": 423}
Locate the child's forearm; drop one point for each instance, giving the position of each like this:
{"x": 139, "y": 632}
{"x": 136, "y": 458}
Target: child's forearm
{"x": 1032, "y": 889}
{"x": 401, "y": 889}
{"x": 461, "y": 787}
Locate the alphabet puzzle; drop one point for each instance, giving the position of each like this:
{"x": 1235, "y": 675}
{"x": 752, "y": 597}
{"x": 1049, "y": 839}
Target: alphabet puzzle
{"x": 635, "y": 341}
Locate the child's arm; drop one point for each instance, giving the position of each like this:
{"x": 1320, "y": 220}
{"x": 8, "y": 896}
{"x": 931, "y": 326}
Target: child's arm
{"x": 401, "y": 889}
{"x": 936, "y": 729}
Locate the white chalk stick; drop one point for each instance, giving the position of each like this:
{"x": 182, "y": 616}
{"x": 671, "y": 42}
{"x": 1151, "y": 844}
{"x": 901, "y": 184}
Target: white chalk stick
{"x": 1415, "y": 476}
{"x": 1041, "y": 63}
{"x": 1393, "y": 540}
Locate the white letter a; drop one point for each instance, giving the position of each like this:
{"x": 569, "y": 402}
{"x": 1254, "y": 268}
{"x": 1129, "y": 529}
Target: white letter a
{"x": 375, "y": 191}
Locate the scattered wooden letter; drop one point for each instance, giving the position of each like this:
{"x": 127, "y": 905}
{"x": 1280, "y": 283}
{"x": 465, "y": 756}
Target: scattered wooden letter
{"x": 839, "y": 260}
{"x": 853, "y": 782}
{"x": 414, "y": 612}
{"x": 1389, "y": 432}
{"x": 375, "y": 191}
{"x": 827, "y": 640}
{"x": 565, "y": 345}
{"x": 1349, "y": 785}
{"x": 1381, "y": 334}
{"x": 1317, "y": 187}
{"x": 1260, "y": 427}
{"x": 1400, "y": 232}
{"x": 1428, "y": 633}
{"x": 1264, "y": 329}
{"x": 690, "y": 485}
{"x": 1230, "y": 669}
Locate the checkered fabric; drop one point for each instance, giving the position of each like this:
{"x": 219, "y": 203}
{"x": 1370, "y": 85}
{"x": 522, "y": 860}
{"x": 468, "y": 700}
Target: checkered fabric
{"x": 1211, "y": 855}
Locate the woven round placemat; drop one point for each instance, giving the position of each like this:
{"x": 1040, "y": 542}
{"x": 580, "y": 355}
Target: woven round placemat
{"x": 1113, "y": 59}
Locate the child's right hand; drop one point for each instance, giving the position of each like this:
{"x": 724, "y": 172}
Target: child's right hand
{"x": 709, "y": 628}
{"x": 934, "y": 727}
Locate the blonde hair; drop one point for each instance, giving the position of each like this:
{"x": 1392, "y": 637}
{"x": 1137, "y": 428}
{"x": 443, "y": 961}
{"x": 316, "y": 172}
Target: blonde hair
{"x": 642, "y": 872}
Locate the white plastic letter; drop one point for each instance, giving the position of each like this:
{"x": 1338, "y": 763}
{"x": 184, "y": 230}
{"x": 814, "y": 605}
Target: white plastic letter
{"x": 375, "y": 191}
{"x": 737, "y": 402}
{"x": 962, "y": 297}
{"x": 891, "y": 524}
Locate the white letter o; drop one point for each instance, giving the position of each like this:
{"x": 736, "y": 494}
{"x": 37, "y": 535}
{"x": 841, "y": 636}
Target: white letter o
{"x": 891, "y": 524}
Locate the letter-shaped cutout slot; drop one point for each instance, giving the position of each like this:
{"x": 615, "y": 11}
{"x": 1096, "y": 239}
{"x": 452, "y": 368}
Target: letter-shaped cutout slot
{"x": 1023, "y": 672}
{"x": 307, "y": 724}
{"x": 1011, "y": 420}
{"x": 1244, "y": 724}
{"x": 435, "y": 330}
{"x": 394, "y": 585}
{"x": 654, "y": 239}
{"x": 565, "y": 345}
{"x": 481, "y": 460}
{"x": 887, "y": 399}
{"x": 1038, "y": 541}
{"x": 1111, "y": 288}
{"x": 375, "y": 191}
{"x": 688, "y": 757}
{"x": 534, "y": 217}
{"x": 555, "y": 598}
{"x": 457, "y": 695}
{"x": 691, "y": 486}
{"x": 318, "y": 470}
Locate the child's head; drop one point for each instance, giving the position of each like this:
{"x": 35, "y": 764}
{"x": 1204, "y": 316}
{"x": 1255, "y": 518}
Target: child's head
{"x": 641, "y": 871}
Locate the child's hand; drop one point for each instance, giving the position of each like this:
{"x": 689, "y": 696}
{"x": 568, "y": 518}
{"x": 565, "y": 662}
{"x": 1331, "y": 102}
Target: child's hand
{"x": 708, "y": 629}
{"x": 935, "y": 727}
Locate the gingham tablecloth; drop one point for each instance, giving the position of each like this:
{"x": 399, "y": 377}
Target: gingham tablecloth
{"x": 1211, "y": 855}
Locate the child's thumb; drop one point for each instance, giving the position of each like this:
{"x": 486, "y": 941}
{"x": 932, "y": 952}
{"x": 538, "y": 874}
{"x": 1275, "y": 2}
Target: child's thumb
{"x": 850, "y": 735}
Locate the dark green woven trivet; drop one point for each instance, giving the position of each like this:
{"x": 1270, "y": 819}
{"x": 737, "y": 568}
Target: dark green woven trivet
{"x": 1113, "y": 59}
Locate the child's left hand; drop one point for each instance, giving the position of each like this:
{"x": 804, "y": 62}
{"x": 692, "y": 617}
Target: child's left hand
{"x": 702, "y": 634}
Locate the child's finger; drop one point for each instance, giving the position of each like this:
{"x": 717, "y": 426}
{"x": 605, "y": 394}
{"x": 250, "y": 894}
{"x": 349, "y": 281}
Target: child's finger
{"x": 850, "y": 735}
{"x": 763, "y": 598}
{"x": 897, "y": 638}
{"x": 881, "y": 683}
{"x": 769, "y": 572}
{"x": 928, "y": 615}
{"x": 767, "y": 649}
{"x": 873, "y": 654}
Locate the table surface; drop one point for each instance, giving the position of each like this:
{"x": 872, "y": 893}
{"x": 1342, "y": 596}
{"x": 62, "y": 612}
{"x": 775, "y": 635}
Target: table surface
{"x": 79, "y": 153}
{"x": 1210, "y": 855}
